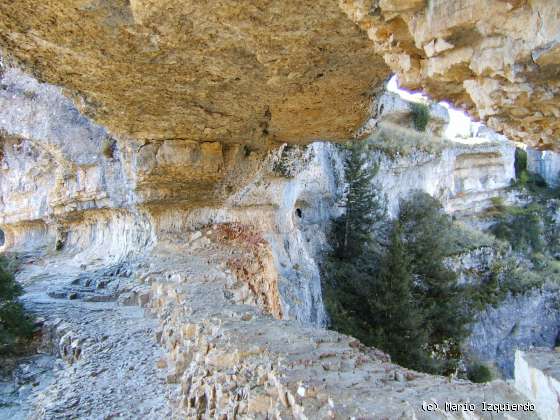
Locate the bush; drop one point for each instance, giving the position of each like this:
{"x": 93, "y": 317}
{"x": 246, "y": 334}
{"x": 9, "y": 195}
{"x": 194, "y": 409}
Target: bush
{"x": 394, "y": 140}
{"x": 15, "y": 326}
{"x": 420, "y": 115}
{"x": 108, "y": 148}
{"x": 521, "y": 227}
{"x": 479, "y": 373}
{"x": 520, "y": 163}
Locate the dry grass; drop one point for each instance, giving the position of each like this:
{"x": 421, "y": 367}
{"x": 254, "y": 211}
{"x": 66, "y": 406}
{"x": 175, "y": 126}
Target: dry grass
{"x": 395, "y": 141}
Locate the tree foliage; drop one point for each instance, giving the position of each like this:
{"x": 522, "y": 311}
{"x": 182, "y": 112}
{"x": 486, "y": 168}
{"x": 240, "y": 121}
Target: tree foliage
{"x": 522, "y": 227}
{"x": 420, "y": 115}
{"x": 395, "y": 314}
{"x": 385, "y": 281}
{"x": 15, "y": 324}
{"x": 364, "y": 206}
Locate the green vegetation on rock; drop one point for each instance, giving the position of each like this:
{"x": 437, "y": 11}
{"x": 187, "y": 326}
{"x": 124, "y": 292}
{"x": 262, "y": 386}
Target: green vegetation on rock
{"x": 385, "y": 282}
{"x": 420, "y": 115}
{"x": 16, "y": 326}
{"x": 394, "y": 140}
{"x": 479, "y": 373}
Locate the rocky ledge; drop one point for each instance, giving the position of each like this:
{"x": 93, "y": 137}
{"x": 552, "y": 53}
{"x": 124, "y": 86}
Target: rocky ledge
{"x": 221, "y": 355}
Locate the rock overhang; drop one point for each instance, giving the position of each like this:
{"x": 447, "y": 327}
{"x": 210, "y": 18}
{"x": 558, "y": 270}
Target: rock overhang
{"x": 232, "y": 72}
{"x": 255, "y": 72}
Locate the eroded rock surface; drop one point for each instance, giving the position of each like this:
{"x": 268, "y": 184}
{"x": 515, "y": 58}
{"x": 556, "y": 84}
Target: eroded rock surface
{"x": 520, "y": 322}
{"x": 497, "y": 59}
{"x": 106, "y": 353}
{"x": 243, "y": 72}
{"x": 546, "y": 163}
{"x": 219, "y": 355}
{"x": 252, "y": 72}
{"x": 537, "y": 376}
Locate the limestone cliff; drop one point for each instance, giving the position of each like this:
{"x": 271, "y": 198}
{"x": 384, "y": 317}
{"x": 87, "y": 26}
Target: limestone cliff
{"x": 151, "y": 161}
{"x": 545, "y": 163}
{"x": 537, "y": 377}
{"x": 497, "y": 59}
{"x": 252, "y": 72}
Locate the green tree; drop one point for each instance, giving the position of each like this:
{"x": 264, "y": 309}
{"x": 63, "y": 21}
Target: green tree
{"x": 394, "y": 293}
{"x": 395, "y": 314}
{"x": 363, "y": 203}
{"x": 15, "y": 325}
{"x": 426, "y": 228}
{"x": 520, "y": 162}
{"x": 522, "y": 227}
{"x": 349, "y": 268}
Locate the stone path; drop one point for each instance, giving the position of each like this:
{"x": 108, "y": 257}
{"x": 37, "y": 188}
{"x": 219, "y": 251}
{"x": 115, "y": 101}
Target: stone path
{"x": 210, "y": 353}
{"x": 107, "y": 352}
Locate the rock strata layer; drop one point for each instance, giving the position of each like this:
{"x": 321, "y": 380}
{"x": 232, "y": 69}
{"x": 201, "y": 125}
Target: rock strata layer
{"x": 499, "y": 60}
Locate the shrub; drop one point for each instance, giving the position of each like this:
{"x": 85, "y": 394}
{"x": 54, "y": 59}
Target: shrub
{"x": 394, "y": 140}
{"x": 15, "y": 325}
{"x": 420, "y": 115}
{"x": 479, "y": 373}
{"x": 521, "y": 227}
{"x": 108, "y": 148}
{"x": 520, "y": 162}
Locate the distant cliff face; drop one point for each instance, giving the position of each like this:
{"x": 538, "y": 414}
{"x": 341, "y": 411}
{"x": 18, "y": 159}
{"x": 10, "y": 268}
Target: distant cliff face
{"x": 464, "y": 177}
{"x": 546, "y": 163}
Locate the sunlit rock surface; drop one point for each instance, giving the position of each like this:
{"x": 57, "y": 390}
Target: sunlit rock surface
{"x": 252, "y": 72}
{"x": 463, "y": 175}
{"x": 546, "y": 163}
{"x": 537, "y": 376}
{"x": 392, "y": 108}
{"x": 215, "y": 71}
{"x": 154, "y": 143}
{"x": 500, "y": 60}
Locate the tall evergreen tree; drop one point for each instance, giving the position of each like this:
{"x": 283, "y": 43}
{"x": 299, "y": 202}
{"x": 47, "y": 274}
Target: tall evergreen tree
{"x": 425, "y": 227}
{"x": 363, "y": 203}
{"x": 395, "y": 314}
{"x": 349, "y": 269}
{"x": 394, "y": 294}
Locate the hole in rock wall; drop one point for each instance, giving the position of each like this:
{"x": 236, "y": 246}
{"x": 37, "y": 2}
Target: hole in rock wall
{"x": 61, "y": 236}
{"x": 299, "y": 213}
{"x": 2, "y": 238}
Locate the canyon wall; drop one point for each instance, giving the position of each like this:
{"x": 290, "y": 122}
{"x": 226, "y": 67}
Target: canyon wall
{"x": 160, "y": 133}
{"x": 499, "y": 60}
{"x": 545, "y": 163}
{"x": 69, "y": 187}
{"x": 463, "y": 176}
{"x": 213, "y": 261}
{"x": 519, "y": 322}
{"x": 537, "y": 377}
